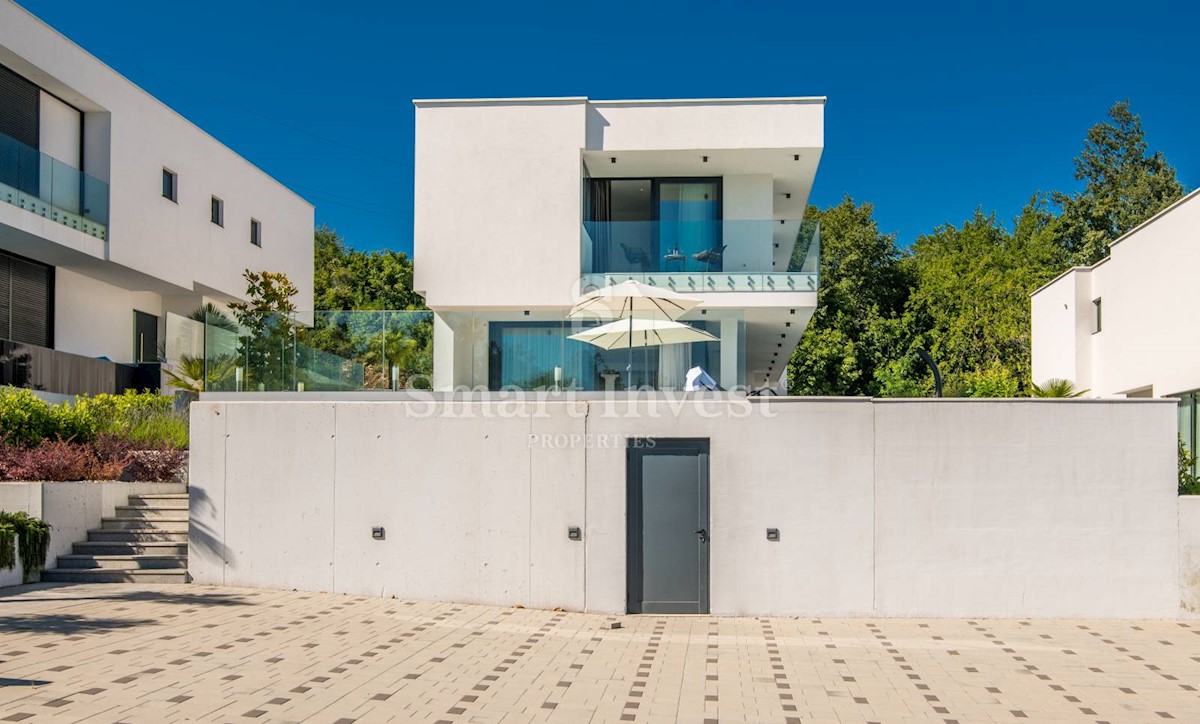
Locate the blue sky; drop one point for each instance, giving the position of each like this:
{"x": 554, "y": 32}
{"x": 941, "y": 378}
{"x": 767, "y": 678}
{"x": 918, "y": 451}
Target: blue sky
{"x": 931, "y": 113}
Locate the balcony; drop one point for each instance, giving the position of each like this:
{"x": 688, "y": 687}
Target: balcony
{"x": 50, "y": 188}
{"x": 758, "y": 255}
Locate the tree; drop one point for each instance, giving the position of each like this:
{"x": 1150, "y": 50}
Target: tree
{"x": 970, "y": 301}
{"x": 862, "y": 292}
{"x": 1123, "y": 186}
{"x": 387, "y": 347}
{"x": 346, "y": 279}
{"x": 267, "y": 339}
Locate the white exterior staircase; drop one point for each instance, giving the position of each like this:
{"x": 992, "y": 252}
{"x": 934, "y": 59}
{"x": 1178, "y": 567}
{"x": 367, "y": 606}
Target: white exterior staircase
{"x": 146, "y": 542}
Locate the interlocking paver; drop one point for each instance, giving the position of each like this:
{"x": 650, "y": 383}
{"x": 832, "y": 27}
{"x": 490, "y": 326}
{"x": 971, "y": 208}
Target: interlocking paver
{"x": 198, "y": 653}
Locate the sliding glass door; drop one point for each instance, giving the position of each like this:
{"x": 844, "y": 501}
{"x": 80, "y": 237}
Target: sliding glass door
{"x": 638, "y": 226}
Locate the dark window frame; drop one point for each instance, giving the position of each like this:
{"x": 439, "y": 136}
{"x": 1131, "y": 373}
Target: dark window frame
{"x": 217, "y": 211}
{"x": 170, "y": 187}
{"x": 256, "y": 232}
{"x": 1097, "y": 315}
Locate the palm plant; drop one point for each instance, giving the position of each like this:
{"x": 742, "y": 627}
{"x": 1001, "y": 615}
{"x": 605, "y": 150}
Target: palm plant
{"x": 194, "y": 373}
{"x": 1057, "y": 387}
{"x": 209, "y": 313}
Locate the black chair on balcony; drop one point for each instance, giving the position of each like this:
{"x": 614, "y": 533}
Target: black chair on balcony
{"x": 636, "y": 257}
{"x": 711, "y": 257}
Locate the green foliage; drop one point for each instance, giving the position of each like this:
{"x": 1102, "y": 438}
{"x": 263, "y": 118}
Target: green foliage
{"x": 862, "y": 293}
{"x": 994, "y": 381}
{"x": 145, "y": 419}
{"x": 970, "y": 300}
{"x": 25, "y": 419}
{"x": 962, "y": 291}
{"x": 267, "y": 329}
{"x": 1189, "y": 482}
{"x": 1124, "y": 186}
{"x": 194, "y": 374}
{"x": 211, "y": 314}
{"x": 347, "y": 279}
{"x": 1056, "y": 387}
{"x": 31, "y": 536}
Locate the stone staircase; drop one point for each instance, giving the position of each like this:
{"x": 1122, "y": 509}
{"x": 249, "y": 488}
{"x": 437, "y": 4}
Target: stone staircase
{"x": 146, "y": 542}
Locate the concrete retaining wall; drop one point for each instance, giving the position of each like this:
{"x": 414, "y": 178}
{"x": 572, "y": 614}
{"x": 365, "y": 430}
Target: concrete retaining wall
{"x": 1189, "y": 555}
{"x": 900, "y": 508}
{"x": 71, "y": 509}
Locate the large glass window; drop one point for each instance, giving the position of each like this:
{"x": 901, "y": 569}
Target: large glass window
{"x": 654, "y": 225}
{"x": 538, "y": 355}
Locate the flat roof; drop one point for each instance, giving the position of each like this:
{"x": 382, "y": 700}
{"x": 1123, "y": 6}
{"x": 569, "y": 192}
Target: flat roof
{"x": 628, "y": 102}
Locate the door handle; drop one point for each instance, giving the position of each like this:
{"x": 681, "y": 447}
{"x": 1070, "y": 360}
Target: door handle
{"x": 703, "y": 534}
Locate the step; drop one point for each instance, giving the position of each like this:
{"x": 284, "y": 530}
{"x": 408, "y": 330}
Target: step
{"x": 174, "y": 525}
{"x": 180, "y": 503}
{"x": 159, "y": 496}
{"x": 143, "y": 512}
{"x": 121, "y": 562}
{"x": 102, "y": 575}
{"x": 128, "y": 548}
{"x": 137, "y": 536}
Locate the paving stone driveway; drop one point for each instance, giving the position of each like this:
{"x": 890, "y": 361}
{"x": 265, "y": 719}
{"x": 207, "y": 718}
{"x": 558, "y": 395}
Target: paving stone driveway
{"x": 181, "y": 653}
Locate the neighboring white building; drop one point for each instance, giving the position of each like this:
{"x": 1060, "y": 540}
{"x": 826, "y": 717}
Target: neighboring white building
{"x": 522, "y": 204}
{"x": 1126, "y": 326}
{"x": 115, "y": 210}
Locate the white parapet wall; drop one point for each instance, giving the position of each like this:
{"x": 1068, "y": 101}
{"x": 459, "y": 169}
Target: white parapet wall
{"x": 893, "y": 508}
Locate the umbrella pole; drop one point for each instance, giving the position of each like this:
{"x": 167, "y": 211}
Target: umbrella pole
{"x": 629, "y": 366}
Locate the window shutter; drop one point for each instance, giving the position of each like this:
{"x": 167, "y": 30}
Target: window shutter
{"x": 30, "y": 308}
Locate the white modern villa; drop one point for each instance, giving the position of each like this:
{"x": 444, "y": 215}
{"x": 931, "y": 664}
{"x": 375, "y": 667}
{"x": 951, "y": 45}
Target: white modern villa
{"x": 523, "y": 204}
{"x": 1125, "y": 327}
{"x": 115, "y": 211}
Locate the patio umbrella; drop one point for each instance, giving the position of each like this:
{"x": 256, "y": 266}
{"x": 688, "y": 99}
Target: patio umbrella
{"x": 629, "y": 300}
{"x": 636, "y": 332}
{"x": 633, "y": 299}
{"x": 640, "y": 332}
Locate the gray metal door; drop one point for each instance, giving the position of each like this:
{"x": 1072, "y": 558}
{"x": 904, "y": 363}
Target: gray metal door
{"x": 668, "y": 539}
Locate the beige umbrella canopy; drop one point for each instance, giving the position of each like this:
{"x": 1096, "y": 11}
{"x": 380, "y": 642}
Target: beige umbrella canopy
{"x": 636, "y": 332}
{"x": 633, "y": 299}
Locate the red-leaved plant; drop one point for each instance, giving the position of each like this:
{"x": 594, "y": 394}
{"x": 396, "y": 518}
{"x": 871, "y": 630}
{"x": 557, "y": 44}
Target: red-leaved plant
{"x": 107, "y": 458}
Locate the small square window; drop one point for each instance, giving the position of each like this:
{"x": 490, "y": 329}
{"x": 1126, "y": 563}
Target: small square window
{"x": 1097, "y": 319}
{"x": 256, "y": 232}
{"x": 218, "y": 211}
{"x": 170, "y": 185}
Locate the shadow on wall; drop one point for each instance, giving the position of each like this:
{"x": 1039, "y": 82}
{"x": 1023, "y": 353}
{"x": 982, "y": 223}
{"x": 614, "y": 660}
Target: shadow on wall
{"x": 201, "y": 535}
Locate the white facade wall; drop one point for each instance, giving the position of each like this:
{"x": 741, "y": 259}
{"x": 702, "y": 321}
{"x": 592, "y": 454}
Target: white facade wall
{"x": 497, "y": 203}
{"x": 1148, "y": 340}
{"x": 735, "y": 123}
{"x": 946, "y": 508}
{"x": 153, "y": 245}
{"x": 95, "y": 319}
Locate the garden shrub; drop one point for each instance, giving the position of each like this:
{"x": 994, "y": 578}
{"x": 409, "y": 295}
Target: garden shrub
{"x": 25, "y": 419}
{"x": 147, "y": 420}
{"x": 32, "y": 536}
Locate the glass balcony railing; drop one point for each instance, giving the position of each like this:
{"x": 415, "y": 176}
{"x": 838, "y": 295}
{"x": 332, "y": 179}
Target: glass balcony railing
{"x": 314, "y": 351}
{"x": 48, "y": 187}
{"x": 763, "y": 255}
{"x": 383, "y": 350}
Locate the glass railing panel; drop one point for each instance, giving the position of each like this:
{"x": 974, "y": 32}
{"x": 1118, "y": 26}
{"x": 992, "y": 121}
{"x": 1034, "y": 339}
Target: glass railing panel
{"x": 43, "y": 185}
{"x": 710, "y": 255}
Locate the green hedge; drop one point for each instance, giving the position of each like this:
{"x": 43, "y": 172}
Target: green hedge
{"x": 145, "y": 419}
